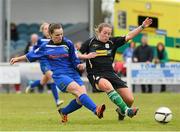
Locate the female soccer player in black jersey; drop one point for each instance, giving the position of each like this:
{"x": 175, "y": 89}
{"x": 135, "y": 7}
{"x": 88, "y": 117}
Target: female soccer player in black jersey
{"x": 100, "y": 71}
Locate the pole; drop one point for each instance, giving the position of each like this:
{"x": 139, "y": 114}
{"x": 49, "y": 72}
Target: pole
{"x": 91, "y": 18}
{"x": 2, "y": 29}
{"x": 8, "y": 12}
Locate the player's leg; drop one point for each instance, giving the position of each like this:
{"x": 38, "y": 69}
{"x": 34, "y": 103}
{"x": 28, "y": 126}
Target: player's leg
{"x": 126, "y": 95}
{"x": 150, "y": 90}
{"x": 74, "y": 105}
{"x": 44, "y": 79}
{"x": 54, "y": 90}
{"x": 85, "y": 100}
{"x": 71, "y": 107}
{"x": 143, "y": 88}
{"x": 114, "y": 96}
{"x": 106, "y": 86}
{"x": 17, "y": 88}
{"x": 66, "y": 83}
{"x": 163, "y": 88}
{"x": 32, "y": 85}
{"x": 128, "y": 98}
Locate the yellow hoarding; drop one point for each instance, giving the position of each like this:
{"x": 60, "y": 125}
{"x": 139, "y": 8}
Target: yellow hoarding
{"x": 128, "y": 14}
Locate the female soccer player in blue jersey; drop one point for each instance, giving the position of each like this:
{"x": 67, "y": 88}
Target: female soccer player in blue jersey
{"x": 59, "y": 52}
{"x": 45, "y": 68}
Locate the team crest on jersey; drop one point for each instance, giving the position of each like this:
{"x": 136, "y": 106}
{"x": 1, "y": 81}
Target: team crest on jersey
{"x": 95, "y": 45}
{"x": 107, "y": 45}
{"x": 66, "y": 48}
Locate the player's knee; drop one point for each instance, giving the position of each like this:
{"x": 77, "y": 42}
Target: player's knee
{"x": 43, "y": 82}
{"x": 104, "y": 85}
{"x": 82, "y": 91}
{"x": 105, "y": 89}
{"x": 78, "y": 101}
{"x": 79, "y": 91}
{"x": 48, "y": 74}
{"x": 83, "y": 88}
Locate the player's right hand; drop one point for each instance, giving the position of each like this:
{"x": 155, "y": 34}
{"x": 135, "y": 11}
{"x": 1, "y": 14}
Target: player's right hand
{"x": 147, "y": 22}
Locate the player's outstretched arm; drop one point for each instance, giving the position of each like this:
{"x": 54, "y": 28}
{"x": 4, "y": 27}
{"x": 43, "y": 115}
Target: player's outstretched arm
{"x": 17, "y": 59}
{"x": 136, "y": 31}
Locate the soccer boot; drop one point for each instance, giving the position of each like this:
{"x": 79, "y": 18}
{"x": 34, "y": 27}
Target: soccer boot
{"x": 28, "y": 89}
{"x": 131, "y": 112}
{"x": 100, "y": 110}
{"x": 121, "y": 116}
{"x": 64, "y": 118}
{"x": 59, "y": 103}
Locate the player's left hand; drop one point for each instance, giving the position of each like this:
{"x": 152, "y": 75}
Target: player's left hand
{"x": 91, "y": 55}
{"x": 13, "y": 60}
{"x": 147, "y": 22}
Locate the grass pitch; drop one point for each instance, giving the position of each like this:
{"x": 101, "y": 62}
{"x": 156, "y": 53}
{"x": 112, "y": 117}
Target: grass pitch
{"x": 34, "y": 112}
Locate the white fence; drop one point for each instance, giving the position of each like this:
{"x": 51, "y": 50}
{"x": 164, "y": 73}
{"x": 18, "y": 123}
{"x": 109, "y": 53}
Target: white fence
{"x": 9, "y": 74}
{"x": 137, "y": 73}
{"x": 149, "y": 73}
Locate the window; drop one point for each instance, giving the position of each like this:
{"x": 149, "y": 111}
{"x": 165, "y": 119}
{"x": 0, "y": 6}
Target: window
{"x": 154, "y": 24}
{"x": 122, "y": 19}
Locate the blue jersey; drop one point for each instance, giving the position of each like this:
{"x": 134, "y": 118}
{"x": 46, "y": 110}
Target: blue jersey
{"x": 43, "y": 64}
{"x": 61, "y": 58}
{"x": 40, "y": 42}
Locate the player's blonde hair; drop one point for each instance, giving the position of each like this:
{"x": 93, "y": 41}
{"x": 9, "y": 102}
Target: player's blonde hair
{"x": 42, "y": 26}
{"x": 100, "y": 27}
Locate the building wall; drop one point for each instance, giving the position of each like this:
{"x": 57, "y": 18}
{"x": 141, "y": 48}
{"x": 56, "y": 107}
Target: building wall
{"x": 64, "y": 11}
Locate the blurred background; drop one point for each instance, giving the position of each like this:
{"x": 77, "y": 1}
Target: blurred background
{"x": 22, "y": 18}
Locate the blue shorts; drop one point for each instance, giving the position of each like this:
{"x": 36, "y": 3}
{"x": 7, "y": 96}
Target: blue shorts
{"x": 44, "y": 67}
{"x": 62, "y": 81}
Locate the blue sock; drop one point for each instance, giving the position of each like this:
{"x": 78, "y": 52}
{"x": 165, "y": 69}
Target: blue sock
{"x": 35, "y": 84}
{"x": 71, "y": 107}
{"x": 87, "y": 102}
{"x": 54, "y": 92}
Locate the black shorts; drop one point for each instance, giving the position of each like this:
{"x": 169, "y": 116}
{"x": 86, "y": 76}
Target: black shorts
{"x": 112, "y": 77}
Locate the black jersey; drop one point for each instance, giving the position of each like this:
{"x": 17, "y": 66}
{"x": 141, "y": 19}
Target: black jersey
{"x": 105, "y": 53}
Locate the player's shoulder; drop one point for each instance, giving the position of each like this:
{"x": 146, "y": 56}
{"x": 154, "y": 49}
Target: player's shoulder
{"x": 90, "y": 40}
{"x": 42, "y": 39}
{"x": 42, "y": 46}
{"x": 117, "y": 38}
{"x": 67, "y": 40}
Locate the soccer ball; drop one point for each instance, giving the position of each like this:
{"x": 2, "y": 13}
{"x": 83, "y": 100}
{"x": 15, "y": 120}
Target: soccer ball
{"x": 163, "y": 115}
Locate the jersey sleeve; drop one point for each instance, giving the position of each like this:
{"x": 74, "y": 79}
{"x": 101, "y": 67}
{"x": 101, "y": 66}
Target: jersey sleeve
{"x": 39, "y": 42}
{"x": 84, "y": 46}
{"x": 118, "y": 41}
{"x": 73, "y": 57}
{"x": 37, "y": 54}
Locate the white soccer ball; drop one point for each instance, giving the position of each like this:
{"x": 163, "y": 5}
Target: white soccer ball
{"x": 163, "y": 115}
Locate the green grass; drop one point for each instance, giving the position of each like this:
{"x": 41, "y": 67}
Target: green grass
{"x": 38, "y": 112}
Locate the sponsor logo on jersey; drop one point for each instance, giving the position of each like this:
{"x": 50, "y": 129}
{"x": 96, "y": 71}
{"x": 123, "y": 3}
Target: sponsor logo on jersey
{"x": 58, "y": 56}
{"x": 101, "y": 52}
{"x": 95, "y": 45}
